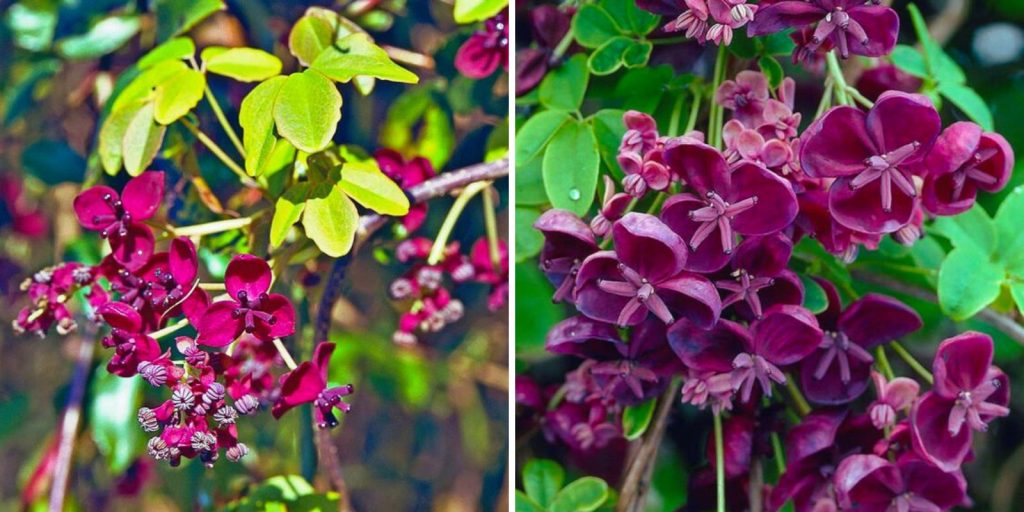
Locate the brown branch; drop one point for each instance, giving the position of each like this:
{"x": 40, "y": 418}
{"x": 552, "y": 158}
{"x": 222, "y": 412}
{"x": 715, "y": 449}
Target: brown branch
{"x": 635, "y": 485}
{"x": 70, "y": 421}
{"x": 1006, "y": 324}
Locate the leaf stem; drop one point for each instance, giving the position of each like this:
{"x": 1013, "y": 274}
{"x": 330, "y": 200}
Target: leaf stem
{"x": 209, "y": 228}
{"x": 836, "y": 72}
{"x": 437, "y": 250}
{"x": 883, "y": 362}
{"x": 719, "y": 465}
{"x": 691, "y": 123}
{"x": 563, "y": 46}
{"x": 780, "y": 457}
{"x": 802, "y": 406}
{"x": 908, "y": 358}
{"x": 217, "y": 111}
{"x": 677, "y": 114}
{"x": 717, "y": 111}
{"x": 491, "y": 225}
{"x": 219, "y": 153}
{"x": 281, "y": 349}
{"x": 826, "y": 98}
{"x": 169, "y": 329}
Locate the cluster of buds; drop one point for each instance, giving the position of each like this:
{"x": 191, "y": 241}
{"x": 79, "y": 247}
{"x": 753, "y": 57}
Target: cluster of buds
{"x": 49, "y": 291}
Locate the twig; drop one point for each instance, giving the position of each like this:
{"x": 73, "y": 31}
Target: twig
{"x": 70, "y": 421}
{"x": 633, "y": 493}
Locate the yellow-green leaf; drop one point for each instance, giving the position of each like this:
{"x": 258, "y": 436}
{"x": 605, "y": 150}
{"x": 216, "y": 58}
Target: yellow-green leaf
{"x": 242, "y": 64}
{"x": 309, "y": 36}
{"x": 142, "y": 140}
{"x": 256, "y": 117}
{"x": 307, "y": 110}
{"x": 178, "y": 95}
{"x": 367, "y": 185}
{"x": 175, "y": 49}
{"x": 330, "y": 220}
{"x": 468, "y": 11}
{"x": 356, "y": 55}
{"x": 112, "y": 137}
{"x": 287, "y": 212}
{"x": 143, "y": 86}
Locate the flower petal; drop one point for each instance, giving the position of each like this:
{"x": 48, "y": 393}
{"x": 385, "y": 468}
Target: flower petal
{"x": 596, "y": 303}
{"x": 961, "y": 363}
{"x": 702, "y": 167}
{"x": 121, "y": 316}
{"x": 830, "y": 388}
{"x": 218, "y": 327}
{"x": 143, "y": 194}
{"x": 930, "y": 433}
{"x": 861, "y": 209}
{"x": 772, "y": 18}
{"x": 828, "y": 320}
{"x": 709, "y": 256}
{"x": 182, "y": 261}
{"x": 763, "y": 256}
{"x": 776, "y": 203}
{"x": 475, "y": 60}
{"x": 899, "y": 118}
{"x": 283, "y": 312}
{"x": 693, "y": 297}
{"x": 708, "y": 350}
{"x": 646, "y": 245}
{"x": 135, "y": 248}
{"x": 836, "y": 144}
{"x": 875, "y": 319}
{"x": 882, "y": 26}
{"x": 867, "y": 482}
{"x": 247, "y": 273}
{"x": 786, "y": 334}
{"x": 585, "y": 338}
{"x": 942, "y": 489}
{"x": 90, "y": 207}
{"x": 299, "y": 386}
{"x": 322, "y": 358}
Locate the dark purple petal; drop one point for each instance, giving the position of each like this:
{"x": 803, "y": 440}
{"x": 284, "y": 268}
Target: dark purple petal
{"x": 930, "y": 433}
{"x": 247, "y": 273}
{"x": 648, "y": 346}
{"x": 702, "y": 167}
{"x": 945, "y": 490}
{"x": 829, "y": 319}
{"x": 586, "y": 338}
{"x": 322, "y": 358}
{"x": 738, "y": 441}
{"x": 550, "y": 25}
{"x": 709, "y": 256}
{"x": 786, "y": 334}
{"x": 476, "y": 59}
{"x": 867, "y": 482}
{"x": 121, "y": 316}
{"x": 882, "y": 26}
{"x": 92, "y": 210}
{"x": 900, "y": 118}
{"x": 531, "y": 66}
{"x": 142, "y": 195}
{"x": 219, "y": 327}
{"x": 830, "y": 388}
{"x": 815, "y": 434}
{"x": 693, "y": 297}
{"x": 778, "y": 16}
{"x": 861, "y": 209}
{"x": 961, "y": 363}
{"x": 646, "y": 245}
{"x": 595, "y": 302}
{"x": 875, "y": 319}
{"x": 183, "y": 262}
{"x": 776, "y": 203}
{"x": 708, "y": 350}
{"x": 837, "y": 144}
{"x": 299, "y": 386}
{"x": 135, "y": 248}
{"x": 281, "y": 309}
{"x": 195, "y": 305}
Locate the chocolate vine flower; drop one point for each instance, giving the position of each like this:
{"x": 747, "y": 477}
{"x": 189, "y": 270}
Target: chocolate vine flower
{"x": 308, "y": 384}
{"x": 963, "y": 160}
{"x": 17, "y": 213}
{"x": 853, "y": 26}
{"x": 872, "y": 156}
{"x": 839, "y": 370}
{"x": 893, "y": 396}
{"x": 486, "y": 271}
{"x": 745, "y": 97}
{"x": 131, "y": 345}
{"x": 49, "y": 291}
{"x": 886, "y": 77}
{"x": 748, "y": 145}
{"x": 613, "y": 207}
{"x": 748, "y": 200}
{"x": 644, "y": 274}
{"x": 486, "y": 49}
{"x": 785, "y": 335}
{"x": 549, "y": 25}
{"x": 119, "y": 218}
{"x": 712, "y": 20}
{"x": 870, "y": 483}
{"x": 164, "y": 287}
{"x": 567, "y": 242}
{"x": 760, "y": 279}
{"x": 969, "y": 392}
{"x": 640, "y": 155}
{"x": 408, "y": 174}
{"x": 251, "y": 309}
{"x": 816, "y": 220}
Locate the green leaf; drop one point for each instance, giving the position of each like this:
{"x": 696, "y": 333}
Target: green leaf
{"x": 772, "y": 69}
{"x": 609, "y": 129}
{"x": 174, "y": 49}
{"x": 535, "y": 134}
{"x": 356, "y": 55}
{"x": 971, "y": 228}
{"x": 528, "y": 241}
{"x": 330, "y": 220}
{"x": 112, "y": 137}
{"x": 636, "y": 419}
{"x": 143, "y": 86}
{"x": 525, "y": 504}
{"x": 287, "y": 212}
{"x": 609, "y": 57}
{"x": 102, "y": 38}
{"x": 776, "y": 44}
{"x": 630, "y": 17}
{"x": 968, "y": 281}
{"x": 307, "y": 110}
{"x": 1010, "y": 236}
{"x": 743, "y": 46}
{"x": 142, "y": 140}
{"x": 32, "y": 24}
{"x": 530, "y": 183}
{"x": 940, "y": 66}
{"x": 563, "y": 88}
{"x": 815, "y": 298}
{"x": 1017, "y": 292}
{"x": 968, "y": 101}
{"x": 367, "y": 185}
{"x": 174, "y": 17}
{"x": 309, "y": 37}
{"x": 114, "y": 426}
{"x": 910, "y": 60}
{"x": 178, "y": 95}
{"x": 638, "y": 54}
{"x": 542, "y": 479}
{"x": 256, "y": 118}
{"x": 570, "y": 168}
{"x": 242, "y": 64}
{"x": 592, "y": 26}
{"x": 583, "y": 495}
{"x": 468, "y": 11}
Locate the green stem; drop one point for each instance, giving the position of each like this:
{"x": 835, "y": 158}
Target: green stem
{"x": 281, "y": 349}
{"x": 224, "y": 121}
{"x": 562, "y": 47}
{"x": 908, "y": 358}
{"x": 209, "y": 228}
{"x": 491, "y": 225}
{"x": 826, "y": 98}
{"x": 169, "y": 329}
{"x": 677, "y": 114}
{"x": 219, "y": 153}
{"x": 858, "y": 97}
{"x": 780, "y": 457}
{"x": 669, "y": 40}
{"x": 717, "y": 111}
{"x": 799, "y": 401}
{"x": 691, "y": 123}
{"x": 658, "y": 201}
{"x": 437, "y": 250}
{"x": 719, "y": 464}
{"x": 883, "y": 362}
{"x": 836, "y": 72}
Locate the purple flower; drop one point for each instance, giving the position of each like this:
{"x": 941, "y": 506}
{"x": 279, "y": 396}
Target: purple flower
{"x": 119, "y": 218}
{"x": 131, "y": 346}
{"x": 710, "y": 19}
{"x": 549, "y": 25}
{"x": 871, "y": 155}
{"x": 870, "y": 483}
{"x": 886, "y": 77}
{"x": 852, "y": 26}
{"x": 164, "y": 286}
{"x": 745, "y": 97}
{"x": 785, "y": 335}
{"x": 567, "y": 242}
{"x": 839, "y": 370}
{"x": 613, "y": 207}
{"x": 485, "y": 50}
{"x": 760, "y": 278}
{"x": 308, "y": 384}
{"x": 893, "y": 396}
{"x": 748, "y": 200}
{"x": 744, "y": 144}
{"x": 644, "y": 274}
{"x": 969, "y": 392}
{"x": 407, "y": 173}
{"x": 251, "y": 309}
{"x": 963, "y": 160}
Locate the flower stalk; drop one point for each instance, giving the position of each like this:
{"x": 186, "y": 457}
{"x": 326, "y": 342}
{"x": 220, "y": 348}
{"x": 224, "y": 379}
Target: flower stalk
{"x": 719, "y": 465}
{"x": 437, "y": 250}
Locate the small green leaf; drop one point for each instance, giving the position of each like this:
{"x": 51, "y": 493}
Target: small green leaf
{"x": 743, "y": 46}
{"x": 307, "y": 110}
{"x": 776, "y": 44}
{"x": 112, "y": 137}
{"x": 178, "y": 95}
{"x": 175, "y": 49}
{"x": 256, "y": 118}
{"x": 142, "y": 140}
{"x": 287, "y": 212}
{"x": 609, "y": 57}
{"x": 631, "y": 18}
{"x": 525, "y": 504}
{"x": 174, "y": 17}
{"x": 528, "y": 241}
{"x": 593, "y": 26}
{"x": 1017, "y": 292}
{"x": 636, "y": 419}
{"x": 542, "y": 479}
{"x": 356, "y": 55}
{"x": 971, "y": 228}
{"x": 910, "y": 60}
{"x": 815, "y": 299}
{"x": 968, "y": 281}
{"x": 143, "y": 86}
{"x": 330, "y": 220}
{"x": 638, "y": 54}
{"x": 564, "y": 87}
{"x": 112, "y": 419}
{"x": 772, "y": 69}
{"x": 535, "y": 134}
{"x": 367, "y": 185}
{"x": 102, "y": 38}
{"x": 570, "y": 168}
{"x": 468, "y": 11}
{"x": 969, "y": 102}
{"x": 530, "y": 183}
{"x": 1010, "y": 236}
{"x": 583, "y": 495}
{"x": 940, "y": 66}
{"x": 242, "y": 64}
{"x": 309, "y": 37}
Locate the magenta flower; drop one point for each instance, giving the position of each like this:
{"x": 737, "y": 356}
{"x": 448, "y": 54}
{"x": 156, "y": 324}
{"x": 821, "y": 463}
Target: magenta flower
{"x": 969, "y": 392}
{"x": 760, "y": 279}
{"x": 893, "y": 396}
{"x": 23, "y": 218}
{"x": 613, "y": 207}
{"x": 746, "y": 97}
{"x": 870, "y": 483}
{"x": 407, "y": 173}
{"x": 852, "y": 26}
{"x": 839, "y": 370}
{"x": 871, "y": 155}
{"x": 640, "y": 155}
{"x": 131, "y": 345}
{"x": 485, "y": 271}
{"x": 644, "y": 274}
{"x": 712, "y": 20}
{"x": 164, "y": 287}
{"x": 48, "y": 290}
{"x": 251, "y": 309}
{"x": 784, "y": 336}
{"x": 963, "y": 160}
{"x": 748, "y": 145}
{"x": 748, "y": 200}
{"x": 549, "y": 25}
{"x": 119, "y": 218}
{"x": 485, "y": 50}
{"x": 567, "y": 242}
{"x": 308, "y": 384}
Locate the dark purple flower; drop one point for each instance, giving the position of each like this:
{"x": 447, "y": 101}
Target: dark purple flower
{"x": 886, "y": 77}
{"x": 131, "y": 345}
{"x": 549, "y": 25}
{"x": 119, "y": 218}
{"x": 745, "y": 97}
{"x": 893, "y": 396}
{"x": 869, "y": 483}
{"x": 251, "y": 309}
{"x": 871, "y": 155}
{"x": 164, "y": 287}
{"x": 486, "y": 49}
{"x": 852, "y": 26}
{"x": 308, "y": 384}
{"x": 816, "y": 220}
{"x": 969, "y": 392}
{"x": 712, "y": 20}
{"x": 839, "y": 370}
{"x": 748, "y": 200}
{"x": 760, "y": 279}
{"x": 23, "y": 218}
{"x": 486, "y": 271}
{"x": 785, "y": 335}
{"x": 613, "y": 207}
{"x": 567, "y": 242}
{"x": 963, "y": 160}
{"x": 644, "y": 274}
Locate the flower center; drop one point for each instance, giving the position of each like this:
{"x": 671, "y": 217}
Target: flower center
{"x": 745, "y": 287}
{"x": 971, "y": 171}
{"x": 641, "y": 293}
{"x": 971, "y": 405}
{"x": 838, "y": 23}
{"x": 750, "y": 368}
{"x": 249, "y": 309}
{"x": 118, "y": 222}
{"x": 568, "y": 266}
{"x": 885, "y": 168}
{"x": 839, "y": 349}
{"x": 625, "y": 372}
{"x": 718, "y": 214}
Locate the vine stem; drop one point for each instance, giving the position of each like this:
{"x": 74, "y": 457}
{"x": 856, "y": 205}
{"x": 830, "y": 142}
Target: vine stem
{"x": 209, "y": 228}
{"x": 437, "y": 250}
{"x": 836, "y": 72}
{"x": 691, "y": 123}
{"x": 217, "y": 111}
{"x": 883, "y": 362}
{"x": 677, "y": 114}
{"x": 287, "y": 356}
{"x": 908, "y": 358}
{"x": 70, "y": 421}
{"x": 719, "y": 465}
{"x": 491, "y": 225}
{"x": 640, "y": 465}
{"x": 169, "y": 329}
{"x": 802, "y": 406}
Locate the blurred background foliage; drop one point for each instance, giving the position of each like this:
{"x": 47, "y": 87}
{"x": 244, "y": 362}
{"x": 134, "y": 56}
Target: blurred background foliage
{"x": 429, "y": 423}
